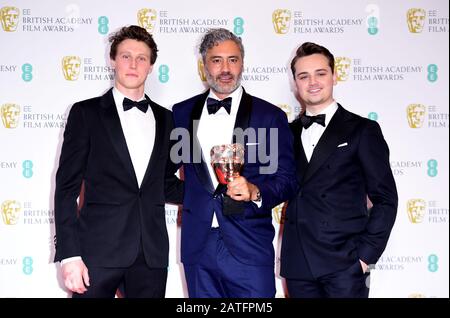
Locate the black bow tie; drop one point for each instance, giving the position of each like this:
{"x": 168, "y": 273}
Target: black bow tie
{"x": 128, "y": 104}
{"x": 309, "y": 120}
{"x": 214, "y": 105}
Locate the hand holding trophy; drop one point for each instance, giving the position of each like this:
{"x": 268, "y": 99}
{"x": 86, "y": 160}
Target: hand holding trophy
{"x": 227, "y": 161}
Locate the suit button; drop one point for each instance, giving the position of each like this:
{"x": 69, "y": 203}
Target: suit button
{"x": 300, "y": 193}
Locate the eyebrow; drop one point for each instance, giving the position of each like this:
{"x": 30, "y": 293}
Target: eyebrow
{"x": 132, "y": 53}
{"x": 221, "y": 56}
{"x": 315, "y": 71}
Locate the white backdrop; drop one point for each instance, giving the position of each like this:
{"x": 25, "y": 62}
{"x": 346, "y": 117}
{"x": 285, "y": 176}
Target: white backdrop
{"x": 388, "y": 63}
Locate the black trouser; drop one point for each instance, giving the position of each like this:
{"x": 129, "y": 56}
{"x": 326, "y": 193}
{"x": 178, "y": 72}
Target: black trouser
{"x": 138, "y": 281}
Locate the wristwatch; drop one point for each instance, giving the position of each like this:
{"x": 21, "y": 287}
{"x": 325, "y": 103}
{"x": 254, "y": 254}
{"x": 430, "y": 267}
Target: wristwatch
{"x": 258, "y": 196}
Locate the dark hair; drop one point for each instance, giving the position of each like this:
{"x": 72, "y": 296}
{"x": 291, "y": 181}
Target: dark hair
{"x": 133, "y": 32}
{"x": 216, "y": 36}
{"x": 309, "y": 48}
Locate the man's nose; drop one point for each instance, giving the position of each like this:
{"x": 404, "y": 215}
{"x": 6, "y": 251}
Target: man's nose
{"x": 225, "y": 66}
{"x": 312, "y": 80}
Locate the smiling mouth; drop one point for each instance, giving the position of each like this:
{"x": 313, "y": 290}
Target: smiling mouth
{"x": 314, "y": 91}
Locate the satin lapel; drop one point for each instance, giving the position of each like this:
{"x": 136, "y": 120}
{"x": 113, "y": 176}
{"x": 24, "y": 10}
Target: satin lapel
{"x": 333, "y": 134}
{"x": 300, "y": 158}
{"x": 111, "y": 121}
{"x": 159, "y": 136}
{"x": 244, "y": 113}
{"x": 200, "y": 167}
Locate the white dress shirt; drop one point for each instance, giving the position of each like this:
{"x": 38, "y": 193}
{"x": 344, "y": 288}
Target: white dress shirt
{"x": 217, "y": 129}
{"x": 311, "y": 136}
{"x": 139, "y": 130}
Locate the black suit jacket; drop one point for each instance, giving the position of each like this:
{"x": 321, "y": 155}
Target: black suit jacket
{"x": 117, "y": 214}
{"x": 328, "y": 226}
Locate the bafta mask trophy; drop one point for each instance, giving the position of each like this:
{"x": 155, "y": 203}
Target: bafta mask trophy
{"x": 227, "y": 161}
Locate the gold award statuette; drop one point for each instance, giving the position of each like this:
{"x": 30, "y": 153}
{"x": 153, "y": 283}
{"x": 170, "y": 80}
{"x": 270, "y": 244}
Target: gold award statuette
{"x": 227, "y": 161}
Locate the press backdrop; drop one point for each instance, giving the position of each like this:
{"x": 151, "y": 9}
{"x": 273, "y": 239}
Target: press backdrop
{"x": 392, "y": 63}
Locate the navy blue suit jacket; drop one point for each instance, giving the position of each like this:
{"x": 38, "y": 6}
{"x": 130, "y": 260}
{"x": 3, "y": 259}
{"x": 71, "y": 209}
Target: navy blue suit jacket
{"x": 328, "y": 226}
{"x": 248, "y": 235}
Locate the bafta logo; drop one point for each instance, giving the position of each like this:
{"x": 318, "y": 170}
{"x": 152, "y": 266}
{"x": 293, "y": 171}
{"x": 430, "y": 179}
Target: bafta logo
{"x": 416, "y": 210}
{"x": 278, "y": 213}
{"x": 10, "y": 18}
{"x": 281, "y": 20}
{"x": 287, "y": 109}
{"x": 342, "y": 68}
{"x": 147, "y": 18}
{"x": 416, "y": 115}
{"x": 10, "y": 115}
{"x": 71, "y": 66}
{"x": 10, "y": 212}
{"x": 415, "y": 17}
{"x": 201, "y": 70}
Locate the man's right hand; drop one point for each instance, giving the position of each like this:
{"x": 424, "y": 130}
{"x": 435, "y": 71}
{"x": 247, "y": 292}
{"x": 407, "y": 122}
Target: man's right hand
{"x": 75, "y": 275}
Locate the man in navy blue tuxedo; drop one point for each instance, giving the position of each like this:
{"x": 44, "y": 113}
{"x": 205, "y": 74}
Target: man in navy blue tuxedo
{"x": 330, "y": 235}
{"x": 227, "y": 231}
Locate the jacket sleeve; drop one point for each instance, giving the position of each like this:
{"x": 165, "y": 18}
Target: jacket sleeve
{"x": 373, "y": 154}
{"x": 173, "y": 186}
{"x": 69, "y": 177}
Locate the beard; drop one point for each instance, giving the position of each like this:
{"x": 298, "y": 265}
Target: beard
{"x": 216, "y": 86}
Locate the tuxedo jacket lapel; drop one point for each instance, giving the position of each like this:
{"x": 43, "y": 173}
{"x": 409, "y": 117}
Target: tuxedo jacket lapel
{"x": 200, "y": 167}
{"x": 336, "y": 130}
{"x": 159, "y": 135}
{"x": 111, "y": 121}
{"x": 299, "y": 152}
{"x": 243, "y": 114}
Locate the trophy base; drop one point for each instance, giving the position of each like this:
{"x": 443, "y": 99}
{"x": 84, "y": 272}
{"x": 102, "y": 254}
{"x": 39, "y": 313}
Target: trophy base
{"x": 232, "y": 207}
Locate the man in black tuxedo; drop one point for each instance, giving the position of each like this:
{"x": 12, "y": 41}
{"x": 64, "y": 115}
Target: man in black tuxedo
{"x": 117, "y": 145}
{"x": 330, "y": 235}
